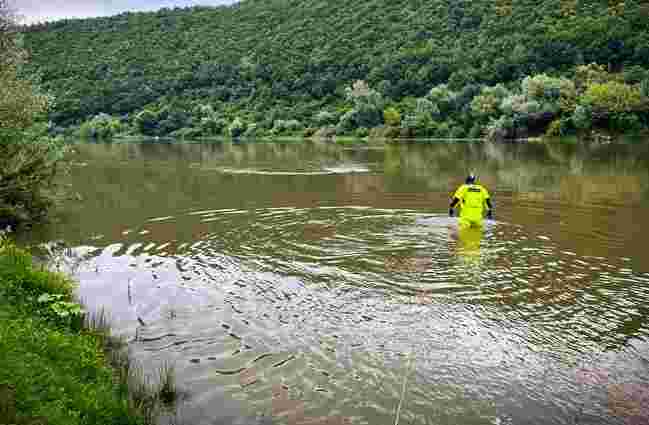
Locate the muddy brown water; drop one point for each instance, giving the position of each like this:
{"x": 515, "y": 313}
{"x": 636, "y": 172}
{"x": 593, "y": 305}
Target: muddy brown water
{"x": 319, "y": 283}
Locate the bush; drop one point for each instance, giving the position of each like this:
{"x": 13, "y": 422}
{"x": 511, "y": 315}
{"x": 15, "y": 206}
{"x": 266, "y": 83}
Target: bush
{"x": 420, "y": 125}
{"x": 361, "y": 132}
{"x": 520, "y": 106}
{"x": 55, "y": 359}
{"x": 612, "y": 97}
{"x": 585, "y": 75}
{"x": 443, "y": 99}
{"x": 287, "y": 126}
{"x": 392, "y": 117}
{"x": 442, "y": 130}
{"x": 385, "y": 132}
{"x": 625, "y": 122}
{"x": 102, "y": 126}
{"x": 325, "y": 119}
{"x": 499, "y": 129}
{"x": 236, "y": 128}
{"x": 29, "y": 158}
{"x": 368, "y": 106}
{"x": 457, "y": 133}
{"x": 487, "y": 103}
{"x": 426, "y": 107}
{"x": 582, "y": 118}
{"x": 644, "y": 89}
{"x": 251, "y": 130}
{"x": 187, "y": 133}
{"x": 476, "y": 131}
{"x": 146, "y": 122}
{"x": 440, "y": 94}
{"x": 348, "y": 121}
{"x": 635, "y": 74}
{"x": 212, "y": 126}
{"x": 545, "y": 88}
{"x": 554, "y": 129}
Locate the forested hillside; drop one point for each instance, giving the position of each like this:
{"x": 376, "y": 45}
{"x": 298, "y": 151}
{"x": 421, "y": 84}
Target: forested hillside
{"x": 291, "y": 60}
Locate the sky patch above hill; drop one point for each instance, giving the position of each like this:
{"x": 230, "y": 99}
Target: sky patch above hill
{"x": 34, "y": 11}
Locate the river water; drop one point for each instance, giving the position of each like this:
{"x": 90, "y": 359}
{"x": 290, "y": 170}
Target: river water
{"x": 311, "y": 282}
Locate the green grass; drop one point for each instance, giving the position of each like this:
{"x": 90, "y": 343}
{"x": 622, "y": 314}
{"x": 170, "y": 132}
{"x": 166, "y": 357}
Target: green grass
{"x": 62, "y": 366}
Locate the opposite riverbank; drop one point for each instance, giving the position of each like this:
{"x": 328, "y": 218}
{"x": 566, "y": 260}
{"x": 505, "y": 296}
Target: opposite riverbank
{"x": 60, "y": 365}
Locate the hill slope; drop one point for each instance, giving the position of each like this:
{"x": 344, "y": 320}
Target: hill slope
{"x": 292, "y": 57}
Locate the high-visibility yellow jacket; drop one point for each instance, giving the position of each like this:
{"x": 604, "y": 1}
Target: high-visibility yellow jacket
{"x": 473, "y": 199}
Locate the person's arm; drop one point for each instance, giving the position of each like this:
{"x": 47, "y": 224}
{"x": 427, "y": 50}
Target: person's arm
{"x": 454, "y": 202}
{"x": 490, "y": 213}
{"x": 457, "y": 198}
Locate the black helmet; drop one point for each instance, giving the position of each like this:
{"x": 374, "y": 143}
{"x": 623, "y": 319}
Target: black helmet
{"x": 471, "y": 179}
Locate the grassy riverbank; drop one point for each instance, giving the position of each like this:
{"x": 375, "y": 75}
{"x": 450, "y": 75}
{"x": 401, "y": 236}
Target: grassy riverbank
{"x": 57, "y": 365}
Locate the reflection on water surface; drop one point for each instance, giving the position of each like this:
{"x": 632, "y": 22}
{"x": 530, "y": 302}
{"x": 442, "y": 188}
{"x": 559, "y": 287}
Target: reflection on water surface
{"x": 296, "y": 283}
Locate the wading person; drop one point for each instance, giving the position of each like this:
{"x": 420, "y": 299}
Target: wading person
{"x": 472, "y": 198}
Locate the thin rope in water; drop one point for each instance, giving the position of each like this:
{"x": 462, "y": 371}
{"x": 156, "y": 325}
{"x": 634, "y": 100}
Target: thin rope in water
{"x": 403, "y": 390}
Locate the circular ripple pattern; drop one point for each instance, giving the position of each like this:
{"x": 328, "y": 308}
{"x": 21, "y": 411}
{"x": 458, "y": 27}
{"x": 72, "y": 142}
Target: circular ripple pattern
{"x": 326, "y": 312}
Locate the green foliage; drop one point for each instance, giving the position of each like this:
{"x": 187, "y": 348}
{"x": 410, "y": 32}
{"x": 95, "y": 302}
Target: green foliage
{"x": 457, "y": 133}
{"x": 211, "y": 123}
{"x": 542, "y": 87}
{"x": 361, "y": 132}
{"x": 442, "y": 98}
{"x": 54, "y": 363}
{"x": 554, "y": 129}
{"x": 625, "y": 122}
{"x": 18, "y": 275}
{"x": 419, "y": 125}
{"x": 426, "y": 107}
{"x": 499, "y": 129}
{"x": 252, "y": 130}
{"x": 236, "y": 128}
{"x": 455, "y": 61}
{"x": 368, "y": 106}
{"x": 298, "y": 67}
{"x": 147, "y": 122}
{"x": 392, "y": 117}
{"x": 582, "y": 117}
{"x": 287, "y": 126}
{"x": 102, "y": 127}
{"x": 644, "y": 90}
{"x": 189, "y": 133}
{"x": 487, "y": 104}
{"x": 612, "y": 97}
{"x": 55, "y": 306}
{"x": 635, "y": 74}
{"x": 476, "y": 131}
{"x": 325, "y": 119}
{"x": 586, "y": 75}
{"x": 29, "y": 158}
{"x": 518, "y": 104}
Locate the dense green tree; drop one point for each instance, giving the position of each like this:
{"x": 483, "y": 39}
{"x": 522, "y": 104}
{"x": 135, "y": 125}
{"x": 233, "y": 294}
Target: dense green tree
{"x": 439, "y": 64}
{"x": 298, "y": 55}
{"x": 28, "y": 158}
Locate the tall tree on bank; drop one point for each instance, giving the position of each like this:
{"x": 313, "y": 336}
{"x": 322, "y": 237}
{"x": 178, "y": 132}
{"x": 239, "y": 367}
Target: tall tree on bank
{"x": 28, "y": 158}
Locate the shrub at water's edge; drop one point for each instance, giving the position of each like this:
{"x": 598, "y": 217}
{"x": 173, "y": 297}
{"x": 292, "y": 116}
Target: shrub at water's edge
{"x": 29, "y": 158}
{"x": 589, "y": 100}
{"x": 60, "y": 363}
